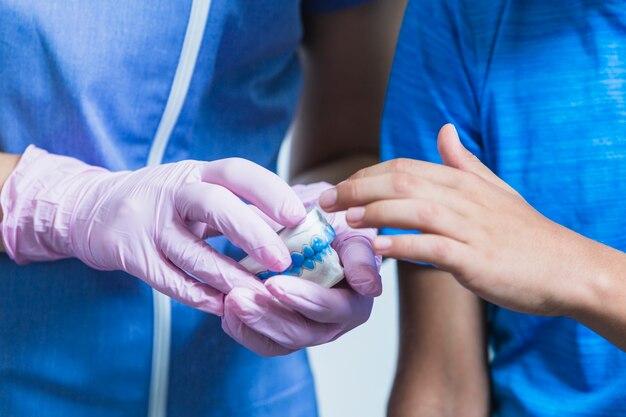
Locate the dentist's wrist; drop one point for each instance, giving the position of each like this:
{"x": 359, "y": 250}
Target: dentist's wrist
{"x": 38, "y": 199}
{"x": 8, "y": 162}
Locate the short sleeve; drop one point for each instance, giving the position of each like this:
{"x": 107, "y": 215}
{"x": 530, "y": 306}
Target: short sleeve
{"x": 432, "y": 83}
{"x": 326, "y": 6}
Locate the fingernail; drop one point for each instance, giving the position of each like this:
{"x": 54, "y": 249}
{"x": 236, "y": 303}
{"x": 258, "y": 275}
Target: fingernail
{"x": 355, "y": 214}
{"x": 456, "y": 132}
{"x": 382, "y": 243}
{"x": 328, "y": 198}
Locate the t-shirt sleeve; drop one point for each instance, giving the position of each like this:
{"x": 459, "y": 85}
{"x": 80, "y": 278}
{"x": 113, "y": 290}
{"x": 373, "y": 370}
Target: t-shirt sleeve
{"x": 325, "y": 6}
{"x": 432, "y": 83}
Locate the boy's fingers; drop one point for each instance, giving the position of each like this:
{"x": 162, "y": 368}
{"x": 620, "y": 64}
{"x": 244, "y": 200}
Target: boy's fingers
{"x": 362, "y": 191}
{"x": 397, "y": 179}
{"x": 420, "y": 214}
{"x": 436, "y": 173}
{"x": 447, "y": 254}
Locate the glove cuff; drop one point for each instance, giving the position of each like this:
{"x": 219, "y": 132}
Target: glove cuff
{"x": 37, "y": 201}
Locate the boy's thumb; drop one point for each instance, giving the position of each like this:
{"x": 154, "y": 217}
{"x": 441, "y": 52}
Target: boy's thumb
{"x": 455, "y": 155}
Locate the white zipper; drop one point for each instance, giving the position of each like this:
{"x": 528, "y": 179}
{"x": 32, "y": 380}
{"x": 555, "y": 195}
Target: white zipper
{"x": 161, "y": 340}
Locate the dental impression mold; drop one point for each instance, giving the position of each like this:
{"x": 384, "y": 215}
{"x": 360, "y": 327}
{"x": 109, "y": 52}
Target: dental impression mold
{"x": 312, "y": 257}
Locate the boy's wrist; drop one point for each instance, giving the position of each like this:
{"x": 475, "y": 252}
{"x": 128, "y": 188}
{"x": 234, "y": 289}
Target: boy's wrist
{"x": 595, "y": 290}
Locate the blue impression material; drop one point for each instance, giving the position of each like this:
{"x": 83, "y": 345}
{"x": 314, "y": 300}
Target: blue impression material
{"x": 314, "y": 252}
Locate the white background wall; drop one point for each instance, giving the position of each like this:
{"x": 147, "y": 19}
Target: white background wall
{"x": 354, "y": 374}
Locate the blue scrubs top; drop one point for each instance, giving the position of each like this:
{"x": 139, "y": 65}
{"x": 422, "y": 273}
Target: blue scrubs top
{"x": 537, "y": 90}
{"x": 91, "y": 79}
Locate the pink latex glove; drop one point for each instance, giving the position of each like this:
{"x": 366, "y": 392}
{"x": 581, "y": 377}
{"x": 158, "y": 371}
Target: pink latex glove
{"x": 292, "y": 313}
{"x": 150, "y": 223}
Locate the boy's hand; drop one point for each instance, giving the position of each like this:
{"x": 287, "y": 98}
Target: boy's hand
{"x": 473, "y": 225}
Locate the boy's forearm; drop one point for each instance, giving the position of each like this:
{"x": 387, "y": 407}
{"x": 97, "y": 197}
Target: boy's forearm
{"x": 8, "y": 162}
{"x": 600, "y": 303}
{"x": 442, "y": 367}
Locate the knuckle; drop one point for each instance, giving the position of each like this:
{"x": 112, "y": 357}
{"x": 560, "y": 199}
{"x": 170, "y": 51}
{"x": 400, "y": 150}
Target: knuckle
{"x": 350, "y": 191}
{"x": 359, "y": 174}
{"x": 190, "y": 165}
{"x": 409, "y": 245}
{"x": 427, "y": 213}
{"x": 403, "y": 183}
{"x": 356, "y": 190}
{"x": 376, "y": 211}
{"x": 190, "y": 171}
{"x": 400, "y": 164}
{"x": 440, "y": 249}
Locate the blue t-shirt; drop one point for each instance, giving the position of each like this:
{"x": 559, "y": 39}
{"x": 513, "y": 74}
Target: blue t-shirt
{"x": 537, "y": 90}
{"x": 92, "y": 79}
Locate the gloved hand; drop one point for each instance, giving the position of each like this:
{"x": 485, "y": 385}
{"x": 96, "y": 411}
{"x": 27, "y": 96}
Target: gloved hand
{"x": 292, "y": 313}
{"x": 150, "y": 223}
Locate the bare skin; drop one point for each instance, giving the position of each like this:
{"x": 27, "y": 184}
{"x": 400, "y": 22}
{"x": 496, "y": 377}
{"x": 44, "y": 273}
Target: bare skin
{"x": 442, "y": 364}
{"x": 8, "y": 162}
{"x": 346, "y": 58}
{"x": 494, "y": 243}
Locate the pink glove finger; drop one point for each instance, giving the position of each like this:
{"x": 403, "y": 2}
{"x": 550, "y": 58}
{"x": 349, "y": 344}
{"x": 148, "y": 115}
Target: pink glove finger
{"x": 202, "y": 230}
{"x": 267, "y": 219}
{"x": 269, "y": 318}
{"x": 174, "y": 283}
{"x": 259, "y": 186}
{"x": 323, "y": 305}
{"x": 310, "y": 194}
{"x": 225, "y": 212}
{"x": 199, "y": 259}
{"x": 257, "y": 343}
{"x": 360, "y": 264}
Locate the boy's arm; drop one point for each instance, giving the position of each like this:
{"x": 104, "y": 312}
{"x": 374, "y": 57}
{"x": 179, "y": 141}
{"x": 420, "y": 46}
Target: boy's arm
{"x": 483, "y": 232}
{"x": 442, "y": 366}
{"x": 346, "y": 57}
{"x": 8, "y": 162}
